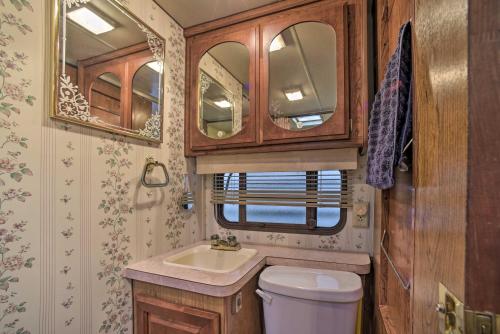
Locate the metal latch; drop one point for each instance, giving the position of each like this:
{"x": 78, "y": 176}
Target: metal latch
{"x": 454, "y": 319}
{"x": 480, "y": 322}
{"x": 451, "y": 312}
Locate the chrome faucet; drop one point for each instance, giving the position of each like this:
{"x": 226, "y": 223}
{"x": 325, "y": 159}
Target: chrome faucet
{"x": 231, "y": 244}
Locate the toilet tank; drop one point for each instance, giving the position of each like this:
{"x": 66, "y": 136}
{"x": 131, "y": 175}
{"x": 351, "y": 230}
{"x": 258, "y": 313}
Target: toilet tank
{"x": 309, "y": 301}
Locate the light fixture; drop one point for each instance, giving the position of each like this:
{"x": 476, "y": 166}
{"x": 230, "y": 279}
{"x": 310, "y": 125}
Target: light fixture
{"x": 90, "y": 21}
{"x": 294, "y": 94}
{"x": 223, "y": 103}
{"x": 278, "y": 43}
{"x": 308, "y": 121}
{"x": 155, "y": 66}
{"x": 309, "y": 118}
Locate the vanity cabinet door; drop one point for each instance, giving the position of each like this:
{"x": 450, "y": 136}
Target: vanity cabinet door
{"x": 221, "y": 88}
{"x": 154, "y": 316}
{"x": 304, "y": 74}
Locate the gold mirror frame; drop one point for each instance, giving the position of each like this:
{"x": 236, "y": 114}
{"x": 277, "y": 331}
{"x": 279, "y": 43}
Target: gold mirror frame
{"x": 60, "y": 84}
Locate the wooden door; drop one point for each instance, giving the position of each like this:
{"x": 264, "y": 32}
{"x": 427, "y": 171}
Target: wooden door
{"x": 197, "y": 46}
{"x": 332, "y": 13}
{"x": 154, "y": 316}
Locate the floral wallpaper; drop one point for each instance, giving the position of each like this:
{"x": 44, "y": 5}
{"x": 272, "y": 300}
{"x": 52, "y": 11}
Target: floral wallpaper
{"x": 349, "y": 239}
{"x": 116, "y": 204}
{"x": 16, "y": 253}
{"x": 73, "y": 213}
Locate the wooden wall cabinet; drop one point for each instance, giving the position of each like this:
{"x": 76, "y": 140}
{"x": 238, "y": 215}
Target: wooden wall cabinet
{"x": 256, "y": 29}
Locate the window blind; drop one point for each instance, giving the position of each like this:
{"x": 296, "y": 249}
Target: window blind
{"x": 330, "y": 189}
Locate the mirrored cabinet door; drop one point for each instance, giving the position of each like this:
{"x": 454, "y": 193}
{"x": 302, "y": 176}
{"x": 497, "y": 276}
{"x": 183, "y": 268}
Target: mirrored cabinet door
{"x": 222, "y": 88}
{"x": 303, "y": 77}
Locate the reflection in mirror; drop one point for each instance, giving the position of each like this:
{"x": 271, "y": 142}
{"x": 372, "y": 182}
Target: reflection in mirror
{"x": 105, "y": 96}
{"x": 146, "y": 94}
{"x": 303, "y": 76}
{"x": 223, "y": 90}
{"x": 110, "y": 69}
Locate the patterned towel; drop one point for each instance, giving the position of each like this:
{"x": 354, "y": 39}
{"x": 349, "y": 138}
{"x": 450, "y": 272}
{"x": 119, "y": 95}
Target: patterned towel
{"x": 390, "y": 119}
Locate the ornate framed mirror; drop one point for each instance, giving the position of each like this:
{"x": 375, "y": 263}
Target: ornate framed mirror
{"x": 108, "y": 69}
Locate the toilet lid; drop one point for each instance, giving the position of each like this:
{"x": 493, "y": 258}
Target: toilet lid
{"x": 312, "y": 284}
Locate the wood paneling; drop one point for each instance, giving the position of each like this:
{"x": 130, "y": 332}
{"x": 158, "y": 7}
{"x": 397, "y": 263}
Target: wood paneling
{"x": 394, "y": 207}
{"x": 482, "y": 285}
{"x": 440, "y": 72}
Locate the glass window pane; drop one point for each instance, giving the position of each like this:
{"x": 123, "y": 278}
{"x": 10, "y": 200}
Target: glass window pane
{"x": 276, "y": 214}
{"x": 231, "y": 212}
{"x": 328, "y": 217}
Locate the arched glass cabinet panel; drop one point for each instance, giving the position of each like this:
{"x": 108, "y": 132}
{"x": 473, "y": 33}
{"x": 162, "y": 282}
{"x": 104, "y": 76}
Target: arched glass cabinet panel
{"x": 146, "y": 89}
{"x": 302, "y": 76}
{"x": 223, "y": 90}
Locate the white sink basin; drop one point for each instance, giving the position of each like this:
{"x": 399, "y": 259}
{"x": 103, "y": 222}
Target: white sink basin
{"x": 203, "y": 258}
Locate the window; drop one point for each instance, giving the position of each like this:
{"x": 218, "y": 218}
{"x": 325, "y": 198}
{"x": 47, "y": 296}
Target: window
{"x": 295, "y": 202}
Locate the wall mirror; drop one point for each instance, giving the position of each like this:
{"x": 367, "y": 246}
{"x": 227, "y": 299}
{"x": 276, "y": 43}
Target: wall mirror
{"x": 303, "y": 76}
{"x": 223, "y": 74}
{"x": 109, "y": 68}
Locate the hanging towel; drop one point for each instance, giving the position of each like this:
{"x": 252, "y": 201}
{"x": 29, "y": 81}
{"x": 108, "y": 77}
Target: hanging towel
{"x": 390, "y": 119}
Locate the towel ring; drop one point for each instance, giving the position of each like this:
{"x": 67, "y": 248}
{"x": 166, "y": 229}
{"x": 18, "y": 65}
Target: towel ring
{"x": 148, "y": 169}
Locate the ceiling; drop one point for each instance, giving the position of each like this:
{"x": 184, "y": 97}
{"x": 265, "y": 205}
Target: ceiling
{"x": 82, "y": 44}
{"x": 192, "y": 12}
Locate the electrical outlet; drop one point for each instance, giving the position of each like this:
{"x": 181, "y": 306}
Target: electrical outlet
{"x": 237, "y": 302}
{"x": 360, "y": 214}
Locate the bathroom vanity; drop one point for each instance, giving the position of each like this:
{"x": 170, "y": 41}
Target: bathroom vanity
{"x": 171, "y": 292}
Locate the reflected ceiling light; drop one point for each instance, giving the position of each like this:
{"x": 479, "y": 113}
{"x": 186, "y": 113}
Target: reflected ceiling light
{"x": 309, "y": 118}
{"x": 294, "y": 94}
{"x": 155, "y": 66}
{"x": 90, "y": 21}
{"x": 223, "y": 103}
{"x": 278, "y": 43}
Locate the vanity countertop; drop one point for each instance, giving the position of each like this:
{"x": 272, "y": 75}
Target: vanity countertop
{"x": 154, "y": 271}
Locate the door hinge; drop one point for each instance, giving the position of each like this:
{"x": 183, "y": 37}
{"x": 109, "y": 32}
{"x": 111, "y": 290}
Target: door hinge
{"x": 480, "y": 322}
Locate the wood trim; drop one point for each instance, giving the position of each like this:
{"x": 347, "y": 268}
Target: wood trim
{"x": 245, "y": 16}
{"x": 246, "y": 35}
{"x": 482, "y": 269}
{"x": 337, "y": 126}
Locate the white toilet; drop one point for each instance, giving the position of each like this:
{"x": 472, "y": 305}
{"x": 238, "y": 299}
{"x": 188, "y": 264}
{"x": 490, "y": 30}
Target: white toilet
{"x": 309, "y": 301}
